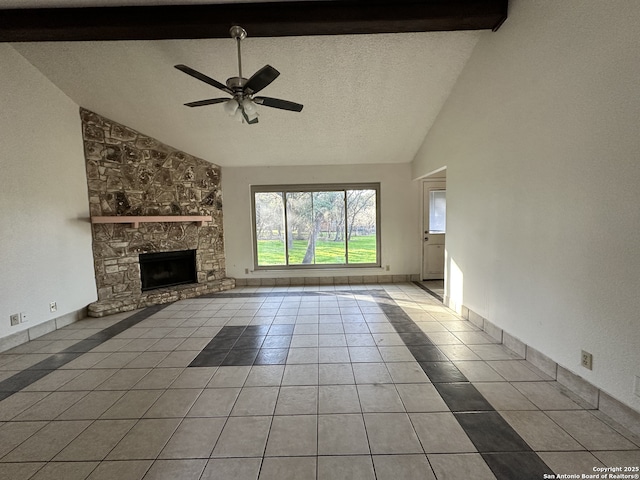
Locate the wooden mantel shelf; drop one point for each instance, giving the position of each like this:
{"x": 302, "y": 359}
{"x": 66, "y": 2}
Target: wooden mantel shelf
{"x": 136, "y": 221}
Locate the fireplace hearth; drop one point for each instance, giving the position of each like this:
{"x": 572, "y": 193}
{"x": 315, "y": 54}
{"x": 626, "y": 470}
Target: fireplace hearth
{"x": 166, "y": 269}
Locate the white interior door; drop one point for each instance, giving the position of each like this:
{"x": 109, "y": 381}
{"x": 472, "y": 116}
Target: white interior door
{"x": 434, "y": 223}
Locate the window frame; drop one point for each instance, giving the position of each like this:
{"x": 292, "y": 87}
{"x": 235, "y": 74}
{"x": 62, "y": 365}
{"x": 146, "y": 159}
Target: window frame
{"x": 316, "y": 187}
{"x": 432, "y": 201}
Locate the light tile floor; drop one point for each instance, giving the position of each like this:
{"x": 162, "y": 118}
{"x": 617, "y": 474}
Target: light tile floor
{"x": 361, "y": 382}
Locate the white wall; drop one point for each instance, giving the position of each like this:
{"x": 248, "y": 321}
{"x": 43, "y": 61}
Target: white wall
{"x": 399, "y": 210}
{"x": 45, "y": 237}
{"x": 541, "y": 142}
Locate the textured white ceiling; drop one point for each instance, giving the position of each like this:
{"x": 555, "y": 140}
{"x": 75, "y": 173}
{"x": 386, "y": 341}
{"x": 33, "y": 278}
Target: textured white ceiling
{"x": 367, "y": 98}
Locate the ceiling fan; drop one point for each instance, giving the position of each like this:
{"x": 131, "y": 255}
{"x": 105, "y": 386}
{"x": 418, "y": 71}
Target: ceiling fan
{"x": 243, "y": 103}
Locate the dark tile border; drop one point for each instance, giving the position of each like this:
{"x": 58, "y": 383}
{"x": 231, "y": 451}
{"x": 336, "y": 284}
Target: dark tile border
{"x": 442, "y": 372}
{"x": 520, "y": 465}
{"x": 489, "y": 432}
{"x": 503, "y": 449}
{"x": 463, "y": 397}
{"x": 250, "y": 345}
{"x": 26, "y": 377}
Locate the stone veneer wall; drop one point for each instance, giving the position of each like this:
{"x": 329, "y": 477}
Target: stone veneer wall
{"x": 129, "y": 173}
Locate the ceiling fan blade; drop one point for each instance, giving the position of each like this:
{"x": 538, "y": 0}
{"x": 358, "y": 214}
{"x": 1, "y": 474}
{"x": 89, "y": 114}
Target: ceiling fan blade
{"x": 203, "y": 78}
{"x": 210, "y": 101}
{"x": 277, "y": 103}
{"x": 261, "y": 79}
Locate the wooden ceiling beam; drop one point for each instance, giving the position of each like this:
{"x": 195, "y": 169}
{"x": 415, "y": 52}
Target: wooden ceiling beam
{"x": 272, "y": 19}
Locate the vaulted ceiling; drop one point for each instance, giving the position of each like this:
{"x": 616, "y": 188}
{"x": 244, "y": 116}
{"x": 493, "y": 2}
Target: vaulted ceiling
{"x": 368, "y": 97}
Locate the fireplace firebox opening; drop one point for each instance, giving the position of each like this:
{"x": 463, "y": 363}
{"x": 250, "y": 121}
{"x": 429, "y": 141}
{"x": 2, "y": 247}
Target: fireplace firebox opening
{"x": 166, "y": 269}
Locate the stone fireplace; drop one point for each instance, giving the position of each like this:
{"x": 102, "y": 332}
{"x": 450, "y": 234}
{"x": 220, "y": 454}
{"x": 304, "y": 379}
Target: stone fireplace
{"x": 148, "y": 198}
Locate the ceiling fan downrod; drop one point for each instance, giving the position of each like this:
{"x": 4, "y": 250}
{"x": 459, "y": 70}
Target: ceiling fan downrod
{"x": 239, "y": 34}
{"x": 240, "y": 106}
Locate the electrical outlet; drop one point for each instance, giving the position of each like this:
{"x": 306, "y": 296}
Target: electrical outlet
{"x": 636, "y": 389}
{"x": 53, "y": 307}
{"x": 586, "y": 360}
{"x": 15, "y": 319}
{"x": 23, "y": 317}
{"x": 246, "y": 271}
{"x": 387, "y": 268}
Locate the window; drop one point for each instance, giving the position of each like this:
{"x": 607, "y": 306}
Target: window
{"x": 437, "y": 211}
{"x": 316, "y": 225}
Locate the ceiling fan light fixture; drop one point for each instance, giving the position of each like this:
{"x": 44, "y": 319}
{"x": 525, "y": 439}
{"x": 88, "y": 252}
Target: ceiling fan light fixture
{"x": 238, "y": 114}
{"x": 251, "y": 115}
{"x": 248, "y": 106}
{"x": 231, "y": 106}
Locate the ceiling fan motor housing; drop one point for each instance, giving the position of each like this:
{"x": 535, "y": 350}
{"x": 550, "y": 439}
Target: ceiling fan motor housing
{"x": 236, "y": 83}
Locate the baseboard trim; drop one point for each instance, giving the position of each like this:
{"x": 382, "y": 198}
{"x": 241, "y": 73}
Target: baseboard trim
{"x": 18, "y": 338}
{"x": 340, "y": 280}
{"x": 590, "y": 395}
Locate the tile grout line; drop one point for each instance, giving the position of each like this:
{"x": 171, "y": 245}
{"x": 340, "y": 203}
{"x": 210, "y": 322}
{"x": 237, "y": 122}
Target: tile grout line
{"x": 389, "y": 305}
{"x": 30, "y": 375}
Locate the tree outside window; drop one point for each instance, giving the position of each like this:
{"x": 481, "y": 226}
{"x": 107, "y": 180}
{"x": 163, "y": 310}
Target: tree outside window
{"x": 316, "y": 226}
